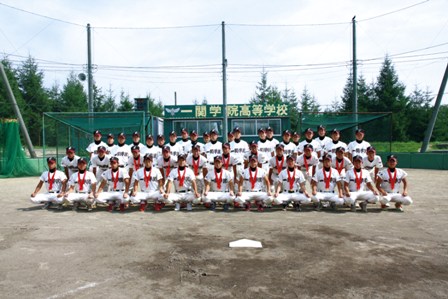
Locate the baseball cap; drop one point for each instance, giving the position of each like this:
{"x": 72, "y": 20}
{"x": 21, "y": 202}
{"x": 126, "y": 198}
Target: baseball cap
{"x": 51, "y": 159}
{"x": 70, "y": 149}
{"x": 197, "y": 147}
{"x": 135, "y": 148}
{"x": 340, "y": 149}
{"x": 326, "y": 157}
{"x": 253, "y": 142}
{"x": 357, "y": 157}
{"x": 101, "y": 148}
{"x": 110, "y": 135}
{"x": 205, "y": 134}
{"x": 335, "y": 131}
{"x": 113, "y": 159}
{"x": 295, "y": 133}
{"x": 166, "y": 148}
{"x": 310, "y": 146}
{"x": 230, "y": 133}
{"x": 320, "y": 127}
{"x": 392, "y": 157}
{"x": 147, "y": 157}
{"x": 193, "y": 132}
{"x": 269, "y": 129}
{"x": 308, "y": 130}
{"x": 236, "y": 129}
{"x": 149, "y": 136}
{"x": 213, "y": 132}
{"x": 290, "y": 157}
{"x": 82, "y": 160}
{"x": 121, "y": 135}
{"x": 184, "y": 130}
{"x": 173, "y": 133}
{"x": 261, "y": 130}
{"x": 279, "y": 145}
{"x": 371, "y": 149}
{"x": 97, "y": 132}
{"x": 217, "y": 158}
{"x": 226, "y": 145}
{"x": 181, "y": 156}
{"x": 286, "y": 132}
{"x": 160, "y": 136}
{"x": 360, "y": 131}
{"x": 136, "y": 134}
{"x": 253, "y": 157}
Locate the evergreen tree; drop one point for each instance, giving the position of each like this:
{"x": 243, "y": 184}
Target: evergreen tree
{"x": 289, "y": 97}
{"x": 73, "y": 97}
{"x": 155, "y": 108}
{"x": 390, "y": 97}
{"x": 54, "y": 94}
{"x": 109, "y": 103}
{"x": 420, "y": 110}
{"x": 30, "y": 82}
{"x": 6, "y": 110}
{"x": 125, "y": 103}
{"x": 440, "y": 133}
{"x": 99, "y": 99}
{"x": 266, "y": 94}
{"x": 308, "y": 102}
{"x": 363, "y": 92}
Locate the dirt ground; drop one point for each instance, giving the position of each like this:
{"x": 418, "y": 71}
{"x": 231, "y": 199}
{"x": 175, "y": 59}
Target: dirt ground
{"x": 308, "y": 254}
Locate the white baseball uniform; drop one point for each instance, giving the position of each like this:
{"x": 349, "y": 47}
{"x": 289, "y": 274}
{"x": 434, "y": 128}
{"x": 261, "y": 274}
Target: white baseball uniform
{"x": 238, "y": 148}
{"x": 183, "y": 185}
{"x": 391, "y": 182}
{"x": 219, "y": 186}
{"x": 291, "y": 181}
{"x": 53, "y": 183}
{"x": 93, "y": 147}
{"x": 371, "y": 165}
{"x": 306, "y": 164}
{"x": 71, "y": 165}
{"x": 148, "y": 180}
{"x": 116, "y": 186}
{"x": 330, "y": 147}
{"x": 326, "y": 183}
{"x": 357, "y": 185}
{"x": 316, "y": 146}
{"x": 110, "y": 149}
{"x": 265, "y": 148}
{"x": 342, "y": 166}
{"x": 197, "y": 166}
{"x": 166, "y": 165}
{"x": 253, "y": 186}
{"x": 82, "y": 183}
{"x": 123, "y": 153}
{"x": 277, "y": 165}
{"x": 322, "y": 143}
{"x": 100, "y": 165}
{"x": 288, "y": 148}
{"x": 358, "y": 148}
{"x": 154, "y": 151}
{"x": 189, "y": 146}
{"x": 175, "y": 149}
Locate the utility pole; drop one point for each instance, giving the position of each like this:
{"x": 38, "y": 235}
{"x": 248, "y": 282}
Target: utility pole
{"x": 89, "y": 69}
{"x": 435, "y": 111}
{"x": 16, "y": 109}
{"x": 355, "y": 77}
{"x": 175, "y": 98}
{"x": 224, "y": 83}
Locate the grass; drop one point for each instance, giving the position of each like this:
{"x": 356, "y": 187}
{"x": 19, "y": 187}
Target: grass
{"x": 406, "y": 147}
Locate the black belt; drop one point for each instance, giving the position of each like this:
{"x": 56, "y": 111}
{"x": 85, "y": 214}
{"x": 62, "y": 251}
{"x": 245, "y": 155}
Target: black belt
{"x": 121, "y": 166}
{"x": 118, "y": 190}
{"x": 291, "y": 191}
{"x": 82, "y": 192}
{"x": 326, "y": 191}
{"x": 53, "y": 191}
{"x": 253, "y": 191}
{"x": 183, "y": 191}
{"x": 239, "y": 164}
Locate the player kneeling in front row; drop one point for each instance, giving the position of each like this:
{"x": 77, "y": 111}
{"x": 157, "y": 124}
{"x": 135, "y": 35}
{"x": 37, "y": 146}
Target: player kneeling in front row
{"x": 55, "y": 182}
{"x": 218, "y": 186}
{"x": 253, "y": 181}
{"x": 151, "y": 185}
{"x": 355, "y": 182}
{"x": 184, "y": 182}
{"x": 292, "y": 182}
{"x": 118, "y": 180}
{"x": 324, "y": 183}
{"x": 388, "y": 184}
{"x": 82, "y": 186}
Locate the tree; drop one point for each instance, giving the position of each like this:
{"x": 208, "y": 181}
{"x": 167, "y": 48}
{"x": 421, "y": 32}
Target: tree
{"x": 30, "y": 82}
{"x": 125, "y": 103}
{"x": 109, "y": 103}
{"x": 308, "y": 102}
{"x": 6, "y": 110}
{"x": 289, "y": 97}
{"x": 440, "y": 133}
{"x": 73, "y": 96}
{"x": 154, "y": 108}
{"x": 99, "y": 99}
{"x": 266, "y": 94}
{"x": 419, "y": 108}
{"x": 363, "y": 93}
{"x": 390, "y": 97}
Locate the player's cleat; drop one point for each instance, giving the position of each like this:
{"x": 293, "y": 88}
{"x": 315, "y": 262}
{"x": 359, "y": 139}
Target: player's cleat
{"x": 384, "y": 206}
{"x": 207, "y": 205}
{"x": 247, "y": 206}
{"x": 398, "y": 207}
{"x": 225, "y": 207}
{"x": 212, "y": 206}
{"x": 177, "y": 207}
{"x": 284, "y": 206}
{"x": 297, "y": 207}
{"x": 59, "y": 207}
{"x": 142, "y": 207}
{"x": 122, "y": 207}
{"x": 236, "y": 204}
{"x": 75, "y": 206}
{"x": 333, "y": 206}
{"x": 89, "y": 207}
{"x": 317, "y": 206}
{"x": 110, "y": 208}
{"x": 260, "y": 208}
{"x": 46, "y": 206}
{"x": 157, "y": 206}
{"x": 189, "y": 207}
{"x": 353, "y": 207}
{"x": 363, "y": 206}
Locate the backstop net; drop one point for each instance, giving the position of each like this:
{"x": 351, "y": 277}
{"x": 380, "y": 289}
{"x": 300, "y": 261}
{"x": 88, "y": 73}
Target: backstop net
{"x": 75, "y": 129}
{"x": 13, "y": 159}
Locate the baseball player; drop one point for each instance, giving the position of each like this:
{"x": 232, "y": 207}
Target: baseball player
{"x": 55, "y": 182}
{"x": 288, "y": 146}
{"x": 160, "y": 143}
{"x": 372, "y": 163}
{"x": 166, "y": 162}
{"x": 230, "y": 137}
{"x": 136, "y": 140}
{"x": 322, "y": 139}
{"x": 123, "y": 151}
{"x": 100, "y": 163}
{"x": 93, "y": 147}
{"x": 276, "y": 164}
{"x": 198, "y": 164}
{"x": 270, "y": 138}
{"x": 295, "y": 138}
{"x": 150, "y": 181}
{"x": 218, "y": 186}
{"x": 389, "y": 183}
{"x": 330, "y": 147}
{"x": 82, "y": 186}
{"x": 111, "y": 146}
{"x": 229, "y": 161}
{"x": 358, "y": 146}
{"x": 309, "y": 133}
{"x": 70, "y": 161}
{"x": 136, "y": 162}
{"x": 184, "y": 182}
{"x": 213, "y": 148}
{"x": 254, "y": 186}
{"x": 265, "y": 147}
{"x": 340, "y": 162}
{"x": 206, "y": 137}
{"x": 117, "y": 180}
{"x": 356, "y": 181}
{"x": 184, "y": 142}
{"x": 238, "y": 148}
{"x": 323, "y": 185}
{"x": 151, "y": 149}
{"x": 262, "y": 162}
{"x": 308, "y": 161}
{"x": 193, "y": 141}
{"x": 291, "y": 186}
{"x": 175, "y": 148}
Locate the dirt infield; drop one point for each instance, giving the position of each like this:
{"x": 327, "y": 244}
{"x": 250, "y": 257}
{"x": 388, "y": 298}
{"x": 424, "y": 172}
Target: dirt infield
{"x": 66, "y": 254}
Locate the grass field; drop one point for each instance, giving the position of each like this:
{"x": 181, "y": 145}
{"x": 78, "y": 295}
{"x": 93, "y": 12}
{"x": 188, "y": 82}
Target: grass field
{"x": 406, "y": 147}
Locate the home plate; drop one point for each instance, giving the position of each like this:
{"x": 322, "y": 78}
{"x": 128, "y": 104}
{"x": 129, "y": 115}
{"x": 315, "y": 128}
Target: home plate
{"x": 245, "y": 243}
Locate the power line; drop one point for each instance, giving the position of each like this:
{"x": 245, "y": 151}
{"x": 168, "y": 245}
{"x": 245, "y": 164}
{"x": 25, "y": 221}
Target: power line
{"x": 392, "y": 12}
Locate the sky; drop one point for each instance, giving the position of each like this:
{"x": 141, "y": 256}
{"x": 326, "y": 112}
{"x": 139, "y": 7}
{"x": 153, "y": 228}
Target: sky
{"x": 162, "y": 47}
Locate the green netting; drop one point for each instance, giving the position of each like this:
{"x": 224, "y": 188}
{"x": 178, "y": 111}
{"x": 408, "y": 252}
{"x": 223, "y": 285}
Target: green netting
{"x": 13, "y": 159}
{"x": 376, "y": 125}
{"x": 75, "y": 129}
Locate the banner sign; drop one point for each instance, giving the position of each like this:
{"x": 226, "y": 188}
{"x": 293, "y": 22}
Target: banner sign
{"x": 233, "y": 111}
